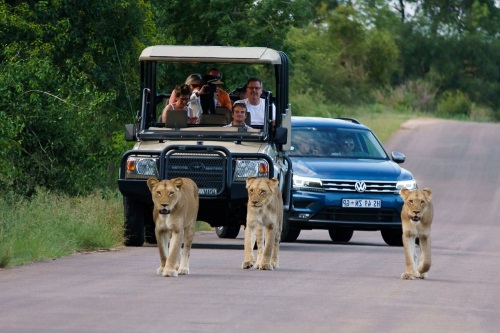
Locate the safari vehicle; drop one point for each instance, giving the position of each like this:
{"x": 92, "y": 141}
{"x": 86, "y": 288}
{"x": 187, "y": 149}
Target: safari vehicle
{"x": 344, "y": 180}
{"x": 219, "y": 159}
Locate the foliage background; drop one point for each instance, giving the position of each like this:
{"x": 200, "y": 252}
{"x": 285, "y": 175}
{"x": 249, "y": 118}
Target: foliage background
{"x": 69, "y": 69}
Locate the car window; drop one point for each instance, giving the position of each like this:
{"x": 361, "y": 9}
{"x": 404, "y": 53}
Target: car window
{"x": 335, "y": 142}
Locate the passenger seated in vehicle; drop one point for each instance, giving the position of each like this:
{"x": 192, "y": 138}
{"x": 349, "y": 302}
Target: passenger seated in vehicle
{"x": 239, "y": 114}
{"x": 255, "y": 104}
{"x": 182, "y": 91}
{"x": 348, "y": 147}
{"x": 304, "y": 144}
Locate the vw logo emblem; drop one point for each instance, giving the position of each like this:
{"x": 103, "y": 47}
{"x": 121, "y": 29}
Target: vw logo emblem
{"x": 197, "y": 166}
{"x": 360, "y": 186}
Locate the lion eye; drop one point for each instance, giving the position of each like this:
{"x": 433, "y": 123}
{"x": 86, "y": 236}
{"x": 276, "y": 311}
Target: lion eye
{"x": 171, "y": 193}
{"x": 158, "y": 193}
{"x": 422, "y": 202}
{"x": 410, "y": 201}
{"x": 251, "y": 190}
{"x": 262, "y": 192}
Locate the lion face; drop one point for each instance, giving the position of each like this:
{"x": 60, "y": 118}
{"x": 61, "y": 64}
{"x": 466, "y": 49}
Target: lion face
{"x": 260, "y": 191}
{"x": 165, "y": 193}
{"x": 416, "y": 202}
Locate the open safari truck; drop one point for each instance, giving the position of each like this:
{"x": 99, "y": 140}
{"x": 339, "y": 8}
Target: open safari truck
{"x": 219, "y": 159}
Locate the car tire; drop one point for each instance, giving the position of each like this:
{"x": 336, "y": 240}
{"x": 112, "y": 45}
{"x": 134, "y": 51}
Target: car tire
{"x": 341, "y": 235}
{"x": 228, "y": 231}
{"x": 135, "y": 215}
{"x": 392, "y": 237}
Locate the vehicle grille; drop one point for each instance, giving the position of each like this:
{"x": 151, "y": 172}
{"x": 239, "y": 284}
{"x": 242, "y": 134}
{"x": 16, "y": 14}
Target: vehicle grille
{"x": 340, "y": 185}
{"x": 207, "y": 170}
{"x": 357, "y": 215}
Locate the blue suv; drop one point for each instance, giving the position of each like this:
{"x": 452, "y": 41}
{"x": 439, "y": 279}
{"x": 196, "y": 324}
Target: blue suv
{"x": 344, "y": 180}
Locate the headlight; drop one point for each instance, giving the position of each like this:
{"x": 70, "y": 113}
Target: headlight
{"x": 250, "y": 168}
{"x": 299, "y": 182}
{"x": 409, "y": 184}
{"x": 141, "y": 167}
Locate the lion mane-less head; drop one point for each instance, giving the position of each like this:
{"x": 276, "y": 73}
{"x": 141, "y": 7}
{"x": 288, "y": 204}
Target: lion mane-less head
{"x": 165, "y": 193}
{"x": 261, "y": 190}
{"x": 416, "y": 202}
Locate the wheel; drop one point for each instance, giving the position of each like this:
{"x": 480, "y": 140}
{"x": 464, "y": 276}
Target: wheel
{"x": 288, "y": 233}
{"x": 341, "y": 235}
{"x": 228, "y": 231}
{"x": 135, "y": 219}
{"x": 392, "y": 237}
{"x": 149, "y": 232}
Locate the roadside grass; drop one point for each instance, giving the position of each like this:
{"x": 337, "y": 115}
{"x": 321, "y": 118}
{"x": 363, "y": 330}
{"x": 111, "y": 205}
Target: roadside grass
{"x": 50, "y": 225}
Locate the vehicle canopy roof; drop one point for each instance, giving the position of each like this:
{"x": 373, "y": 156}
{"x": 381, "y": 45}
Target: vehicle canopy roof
{"x": 211, "y": 54}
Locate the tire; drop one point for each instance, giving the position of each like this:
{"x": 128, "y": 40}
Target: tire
{"x": 149, "y": 232}
{"x": 135, "y": 218}
{"x": 341, "y": 235}
{"x": 228, "y": 231}
{"x": 288, "y": 234}
{"x": 392, "y": 237}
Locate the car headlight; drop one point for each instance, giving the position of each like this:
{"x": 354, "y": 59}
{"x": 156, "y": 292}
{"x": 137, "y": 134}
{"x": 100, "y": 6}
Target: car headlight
{"x": 409, "y": 184}
{"x": 250, "y": 168}
{"x": 142, "y": 167}
{"x": 299, "y": 182}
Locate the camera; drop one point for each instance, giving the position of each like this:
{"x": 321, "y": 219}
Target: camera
{"x": 211, "y": 81}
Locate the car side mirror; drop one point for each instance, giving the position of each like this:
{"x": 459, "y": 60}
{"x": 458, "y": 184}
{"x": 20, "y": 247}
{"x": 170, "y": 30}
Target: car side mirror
{"x": 130, "y": 134}
{"x": 281, "y": 135}
{"x": 398, "y": 157}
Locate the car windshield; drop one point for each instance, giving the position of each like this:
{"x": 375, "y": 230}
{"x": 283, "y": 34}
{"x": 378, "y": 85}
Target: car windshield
{"x": 335, "y": 142}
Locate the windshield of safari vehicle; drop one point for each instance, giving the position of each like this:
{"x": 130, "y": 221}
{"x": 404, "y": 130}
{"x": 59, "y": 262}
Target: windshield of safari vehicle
{"x": 208, "y": 115}
{"x": 335, "y": 142}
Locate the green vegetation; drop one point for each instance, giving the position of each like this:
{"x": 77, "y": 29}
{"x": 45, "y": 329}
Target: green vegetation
{"x": 69, "y": 81}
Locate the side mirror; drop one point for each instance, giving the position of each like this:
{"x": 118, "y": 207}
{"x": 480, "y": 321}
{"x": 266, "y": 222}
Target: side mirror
{"x": 281, "y": 135}
{"x": 398, "y": 157}
{"x": 130, "y": 132}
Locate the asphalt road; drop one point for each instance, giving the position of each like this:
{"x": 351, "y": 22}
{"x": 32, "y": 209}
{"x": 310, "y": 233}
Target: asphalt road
{"x": 319, "y": 287}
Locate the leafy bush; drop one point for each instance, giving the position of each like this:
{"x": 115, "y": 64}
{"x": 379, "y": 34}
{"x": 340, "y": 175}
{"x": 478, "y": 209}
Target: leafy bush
{"x": 454, "y": 104}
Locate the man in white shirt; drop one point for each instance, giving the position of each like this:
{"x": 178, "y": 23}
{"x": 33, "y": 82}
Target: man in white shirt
{"x": 255, "y": 104}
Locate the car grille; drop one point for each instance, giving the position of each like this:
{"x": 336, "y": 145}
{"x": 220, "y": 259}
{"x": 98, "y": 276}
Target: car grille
{"x": 357, "y": 215}
{"x": 207, "y": 170}
{"x": 340, "y": 185}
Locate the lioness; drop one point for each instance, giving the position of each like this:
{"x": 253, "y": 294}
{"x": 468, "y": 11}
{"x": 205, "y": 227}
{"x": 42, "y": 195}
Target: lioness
{"x": 175, "y": 212}
{"x": 264, "y": 220}
{"x": 416, "y": 217}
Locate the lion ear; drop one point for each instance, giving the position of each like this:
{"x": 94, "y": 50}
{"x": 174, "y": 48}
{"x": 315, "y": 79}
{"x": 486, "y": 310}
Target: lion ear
{"x": 274, "y": 182}
{"x": 250, "y": 180}
{"x": 178, "y": 182}
{"x": 404, "y": 193}
{"x": 152, "y": 182}
{"x": 427, "y": 193}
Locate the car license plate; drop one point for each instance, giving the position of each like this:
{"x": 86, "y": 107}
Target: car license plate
{"x": 361, "y": 203}
{"x": 207, "y": 191}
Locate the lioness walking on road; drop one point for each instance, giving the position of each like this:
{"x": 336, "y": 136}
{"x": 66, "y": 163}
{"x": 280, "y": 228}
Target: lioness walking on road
{"x": 416, "y": 218}
{"x": 264, "y": 223}
{"x": 175, "y": 211}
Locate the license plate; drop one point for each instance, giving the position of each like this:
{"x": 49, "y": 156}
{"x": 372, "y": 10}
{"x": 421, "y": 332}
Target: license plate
{"x": 207, "y": 191}
{"x": 361, "y": 203}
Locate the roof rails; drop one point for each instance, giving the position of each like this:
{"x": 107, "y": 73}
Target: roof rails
{"x": 352, "y": 120}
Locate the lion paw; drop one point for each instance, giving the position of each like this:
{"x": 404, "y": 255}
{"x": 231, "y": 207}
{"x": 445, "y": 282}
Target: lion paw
{"x": 184, "y": 271}
{"x": 247, "y": 264}
{"x": 159, "y": 270}
{"x": 407, "y": 276}
{"x": 421, "y": 275}
{"x": 266, "y": 267}
{"x": 275, "y": 265}
{"x": 172, "y": 273}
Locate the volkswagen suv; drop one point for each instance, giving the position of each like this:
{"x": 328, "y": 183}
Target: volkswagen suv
{"x": 344, "y": 180}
